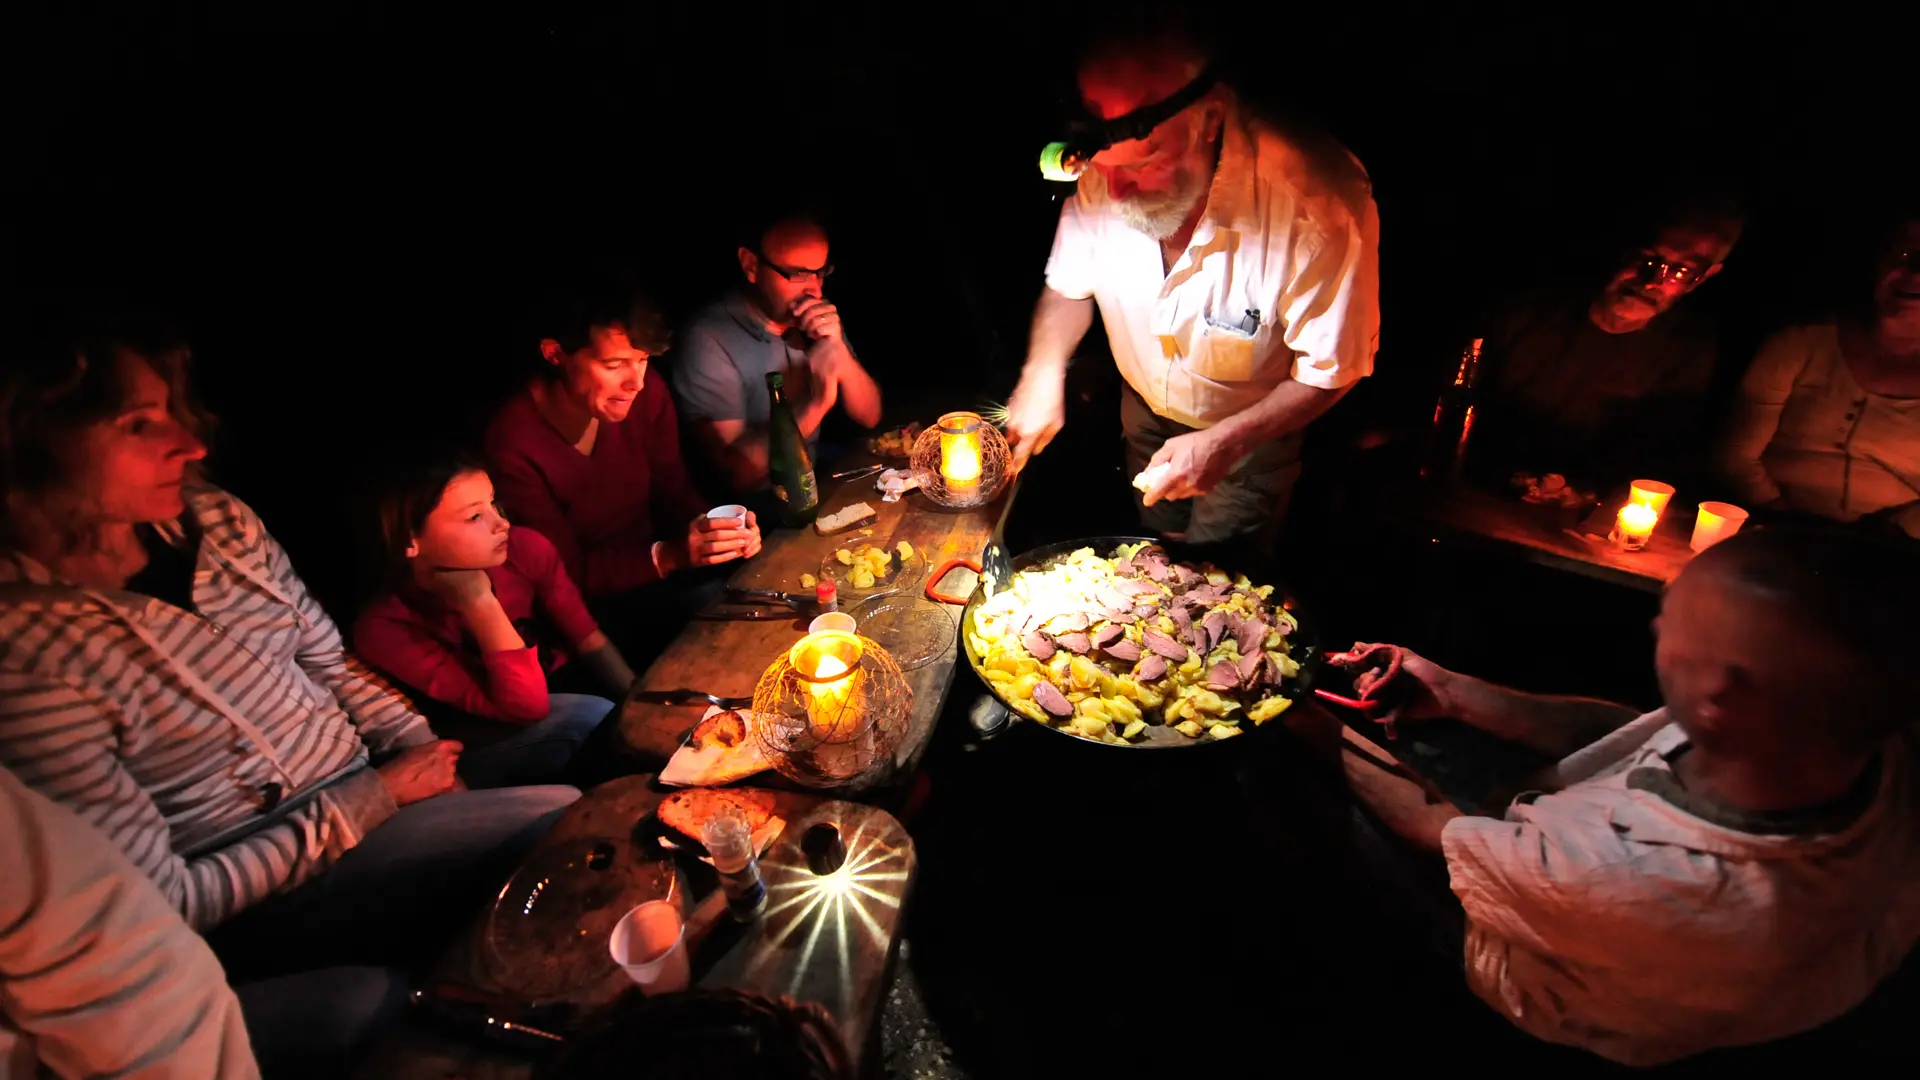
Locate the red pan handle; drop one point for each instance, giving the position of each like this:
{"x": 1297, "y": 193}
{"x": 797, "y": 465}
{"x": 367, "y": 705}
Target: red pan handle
{"x": 933, "y": 592}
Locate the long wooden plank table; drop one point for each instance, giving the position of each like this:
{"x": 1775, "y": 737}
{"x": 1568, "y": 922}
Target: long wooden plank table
{"x": 727, "y": 657}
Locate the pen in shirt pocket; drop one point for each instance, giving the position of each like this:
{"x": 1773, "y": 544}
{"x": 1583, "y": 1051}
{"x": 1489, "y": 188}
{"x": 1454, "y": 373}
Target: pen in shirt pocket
{"x": 1247, "y": 326}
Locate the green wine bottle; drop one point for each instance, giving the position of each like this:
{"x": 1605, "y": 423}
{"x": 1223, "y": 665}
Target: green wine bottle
{"x": 795, "y": 491}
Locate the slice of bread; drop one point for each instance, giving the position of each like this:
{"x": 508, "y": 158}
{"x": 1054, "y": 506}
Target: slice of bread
{"x": 842, "y": 519}
{"x": 686, "y": 811}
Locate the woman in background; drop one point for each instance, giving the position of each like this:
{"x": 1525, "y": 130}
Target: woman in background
{"x": 477, "y": 615}
{"x": 1828, "y": 417}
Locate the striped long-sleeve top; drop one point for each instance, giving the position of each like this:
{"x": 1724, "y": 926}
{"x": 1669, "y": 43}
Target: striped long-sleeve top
{"x": 225, "y": 749}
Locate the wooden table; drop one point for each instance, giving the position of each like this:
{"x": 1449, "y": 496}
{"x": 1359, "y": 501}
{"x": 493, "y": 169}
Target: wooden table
{"x": 829, "y": 940}
{"x": 726, "y": 657}
{"x": 1541, "y": 536}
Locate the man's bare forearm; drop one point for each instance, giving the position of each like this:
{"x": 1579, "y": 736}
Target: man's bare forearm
{"x": 859, "y": 394}
{"x": 1553, "y": 724}
{"x": 1059, "y": 322}
{"x": 1288, "y": 408}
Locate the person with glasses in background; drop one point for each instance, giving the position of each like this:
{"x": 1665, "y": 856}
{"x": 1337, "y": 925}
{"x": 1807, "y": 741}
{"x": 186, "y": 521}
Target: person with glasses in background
{"x": 775, "y": 319}
{"x": 1599, "y": 384}
{"x": 1828, "y": 417}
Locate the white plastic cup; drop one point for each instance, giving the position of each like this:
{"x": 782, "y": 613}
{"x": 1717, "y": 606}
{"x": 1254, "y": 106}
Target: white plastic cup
{"x": 832, "y": 620}
{"x": 1716, "y": 522}
{"x": 650, "y": 945}
{"x": 728, "y": 512}
{"x": 1651, "y": 494}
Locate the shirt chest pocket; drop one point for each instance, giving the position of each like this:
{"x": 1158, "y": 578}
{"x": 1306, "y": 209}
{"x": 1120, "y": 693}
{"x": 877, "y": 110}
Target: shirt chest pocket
{"x": 1227, "y": 349}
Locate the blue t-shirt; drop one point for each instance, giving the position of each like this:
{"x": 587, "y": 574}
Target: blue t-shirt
{"x": 721, "y": 361}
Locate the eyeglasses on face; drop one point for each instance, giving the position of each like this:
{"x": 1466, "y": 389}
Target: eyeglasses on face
{"x": 1652, "y": 269}
{"x": 799, "y": 275}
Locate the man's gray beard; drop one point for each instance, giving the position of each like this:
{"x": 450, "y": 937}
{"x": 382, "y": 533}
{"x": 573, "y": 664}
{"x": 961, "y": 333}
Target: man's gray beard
{"x": 1158, "y": 216}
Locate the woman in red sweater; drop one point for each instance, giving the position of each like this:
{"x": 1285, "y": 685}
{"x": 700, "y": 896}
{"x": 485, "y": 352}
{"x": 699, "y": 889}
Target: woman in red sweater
{"x": 589, "y": 454}
{"x": 477, "y": 615}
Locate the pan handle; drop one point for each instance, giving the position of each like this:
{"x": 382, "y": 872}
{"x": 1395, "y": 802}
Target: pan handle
{"x": 1351, "y": 703}
{"x": 933, "y": 592}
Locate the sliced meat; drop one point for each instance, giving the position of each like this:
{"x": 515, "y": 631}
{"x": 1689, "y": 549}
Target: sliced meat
{"x": 1158, "y": 571}
{"x": 1249, "y": 667}
{"x": 1206, "y": 594}
{"x": 1196, "y": 639}
{"x": 1109, "y": 597}
{"x": 1151, "y": 668}
{"x": 1106, "y": 636}
{"x": 1124, "y": 567}
{"x": 1215, "y": 624}
{"x": 1165, "y": 646}
{"x": 1186, "y": 576}
{"x": 1076, "y": 643}
{"x": 1118, "y": 615}
{"x": 1070, "y": 623}
{"x": 1137, "y": 588}
{"x": 1049, "y": 697}
{"x": 1250, "y": 635}
{"x": 1126, "y": 650}
{"x": 1223, "y": 676}
{"x": 1272, "y": 672}
{"x": 1037, "y": 644}
{"x": 1182, "y": 618}
{"x": 1142, "y": 611}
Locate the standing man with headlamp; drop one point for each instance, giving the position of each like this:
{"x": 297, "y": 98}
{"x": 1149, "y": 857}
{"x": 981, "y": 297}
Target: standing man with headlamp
{"x": 1236, "y": 272}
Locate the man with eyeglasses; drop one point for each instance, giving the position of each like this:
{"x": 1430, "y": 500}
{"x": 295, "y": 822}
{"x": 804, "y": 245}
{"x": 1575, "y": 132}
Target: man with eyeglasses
{"x": 777, "y": 318}
{"x": 1598, "y": 384}
{"x": 1236, "y": 272}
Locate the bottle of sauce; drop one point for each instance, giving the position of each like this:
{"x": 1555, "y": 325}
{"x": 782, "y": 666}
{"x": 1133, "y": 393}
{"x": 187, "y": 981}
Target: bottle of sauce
{"x": 796, "y": 494}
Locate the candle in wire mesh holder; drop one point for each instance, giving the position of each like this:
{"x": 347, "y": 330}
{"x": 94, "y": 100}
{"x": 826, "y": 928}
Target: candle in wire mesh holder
{"x": 831, "y": 711}
{"x": 962, "y": 461}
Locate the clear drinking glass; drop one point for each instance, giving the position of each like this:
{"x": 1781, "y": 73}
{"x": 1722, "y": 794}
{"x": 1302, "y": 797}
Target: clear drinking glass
{"x": 728, "y": 837}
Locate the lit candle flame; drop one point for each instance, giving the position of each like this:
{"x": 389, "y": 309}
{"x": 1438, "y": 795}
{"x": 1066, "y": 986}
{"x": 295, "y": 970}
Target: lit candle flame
{"x": 960, "y": 459}
{"x": 829, "y": 693}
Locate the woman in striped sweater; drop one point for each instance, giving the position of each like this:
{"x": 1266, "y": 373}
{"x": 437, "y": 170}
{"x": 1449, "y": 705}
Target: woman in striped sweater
{"x": 165, "y": 675}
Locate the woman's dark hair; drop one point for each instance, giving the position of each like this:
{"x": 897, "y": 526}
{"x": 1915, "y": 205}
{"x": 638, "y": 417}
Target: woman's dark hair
{"x": 572, "y": 311}
{"x": 709, "y": 1035}
{"x": 405, "y": 501}
{"x": 68, "y": 380}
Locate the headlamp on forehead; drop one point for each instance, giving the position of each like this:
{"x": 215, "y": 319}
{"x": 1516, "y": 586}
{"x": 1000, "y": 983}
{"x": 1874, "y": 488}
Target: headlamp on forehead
{"x": 1066, "y": 160}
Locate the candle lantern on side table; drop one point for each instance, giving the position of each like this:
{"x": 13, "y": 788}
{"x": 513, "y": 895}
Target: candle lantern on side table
{"x": 831, "y": 711}
{"x": 962, "y": 461}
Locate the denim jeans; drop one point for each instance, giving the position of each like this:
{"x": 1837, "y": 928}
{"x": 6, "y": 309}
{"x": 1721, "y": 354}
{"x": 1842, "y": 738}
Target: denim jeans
{"x": 541, "y": 753}
{"x": 393, "y": 903}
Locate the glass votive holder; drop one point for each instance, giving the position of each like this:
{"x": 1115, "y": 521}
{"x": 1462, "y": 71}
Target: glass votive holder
{"x": 1633, "y": 527}
{"x": 1716, "y": 522}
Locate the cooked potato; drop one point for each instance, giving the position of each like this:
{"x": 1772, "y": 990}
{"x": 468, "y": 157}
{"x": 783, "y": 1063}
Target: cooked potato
{"x": 1264, "y": 711}
{"x": 905, "y": 549}
{"x": 1022, "y": 686}
{"x": 1223, "y": 731}
{"x": 1029, "y": 710}
{"x": 845, "y": 557}
{"x": 862, "y": 578}
{"x": 1191, "y": 729}
{"x": 808, "y": 581}
{"x": 1134, "y": 729}
{"x": 998, "y": 677}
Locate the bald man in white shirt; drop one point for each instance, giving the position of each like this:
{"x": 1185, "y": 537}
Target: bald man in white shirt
{"x": 1236, "y": 271}
{"x": 1738, "y": 866}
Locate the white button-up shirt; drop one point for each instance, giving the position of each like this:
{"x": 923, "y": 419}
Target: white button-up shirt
{"x": 1280, "y": 279}
{"x": 1616, "y": 916}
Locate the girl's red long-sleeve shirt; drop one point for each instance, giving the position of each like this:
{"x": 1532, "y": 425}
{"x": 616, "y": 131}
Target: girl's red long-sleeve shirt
{"x": 414, "y": 637}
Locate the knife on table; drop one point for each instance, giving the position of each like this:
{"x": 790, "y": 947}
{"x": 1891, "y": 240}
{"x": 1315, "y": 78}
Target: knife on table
{"x": 688, "y": 697}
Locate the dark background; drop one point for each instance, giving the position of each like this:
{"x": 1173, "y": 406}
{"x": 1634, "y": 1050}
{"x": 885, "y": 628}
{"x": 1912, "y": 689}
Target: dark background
{"x": 349, "y": 206}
